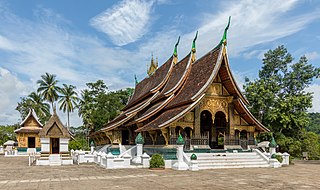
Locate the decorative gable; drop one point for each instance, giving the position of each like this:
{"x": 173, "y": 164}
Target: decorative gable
{"x": 54, "y": 128}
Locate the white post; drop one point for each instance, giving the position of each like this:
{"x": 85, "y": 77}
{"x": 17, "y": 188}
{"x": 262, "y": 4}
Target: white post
{"x": 81, "y": 157}
{"x": 95, "y": 157}
{"x": 180, "y": 165}
{"x": 137, "y": 159}
{"x": 145, "y": 160}
{"x": 110, "y": 158}
{"x": 29, "y": 159}
{"x": 126, "y": 159}
{"x": 194, "y": 165}
{"x": 286, "y": 159}
{"x": 91, "y": 147}
{"x": 103, "y": 156}
{"x": 99, "y": 157}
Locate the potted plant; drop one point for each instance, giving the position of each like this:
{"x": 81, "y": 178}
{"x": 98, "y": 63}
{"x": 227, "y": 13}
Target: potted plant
{"x": 156, "y": 162}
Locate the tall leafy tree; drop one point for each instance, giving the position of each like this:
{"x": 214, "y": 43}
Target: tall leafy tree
{"x": 314, "y": 125}
{"x": 278, "y": 97}
{"x": 48, "y": 88}
{"x": 35, "y": 101}
{"x": 98, "y": 105}
{"x": 68, "y": 99}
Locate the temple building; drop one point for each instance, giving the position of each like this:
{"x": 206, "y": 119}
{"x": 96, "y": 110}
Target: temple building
{"x": 54, "y": 138}
{"x": 197, "y": 98}
{"x": 28, "y": 134}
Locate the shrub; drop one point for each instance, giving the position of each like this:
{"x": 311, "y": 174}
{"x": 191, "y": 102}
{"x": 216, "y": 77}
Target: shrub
{"x": 75, "y": 145}
{"x": 278, "y": 157}
{"x": 156, "y": 161}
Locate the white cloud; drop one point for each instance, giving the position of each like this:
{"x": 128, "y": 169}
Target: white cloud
{"x": 126, "y": 22}
{"x": 10, "y": 90}
{"x": 252, "y": 23}
{"x": 312, "y": 55}
{"x": 5, "y": 43}
{"x": 315, "y": 88}
{"x": 257, "y": 53}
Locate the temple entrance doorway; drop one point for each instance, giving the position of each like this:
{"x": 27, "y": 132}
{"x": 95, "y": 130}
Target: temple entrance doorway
{"x": 125, "y": 137}
{"x": 243, "y": 139}
{"x": 31, "y": 142}
{"x": 55, "y": 145}
{"x": 220, "y": 126}
{"x": 206, "y": 125}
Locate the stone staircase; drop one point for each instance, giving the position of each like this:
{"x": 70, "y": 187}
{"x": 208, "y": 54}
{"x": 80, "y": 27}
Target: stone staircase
{"x": 54, "y": 160}
{"x": 230, "y": 160}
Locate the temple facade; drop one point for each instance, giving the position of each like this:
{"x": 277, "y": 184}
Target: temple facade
{"x": 28, "y": 134}
{"x": 54, "y": 139}
{"x": 197, "y": 98}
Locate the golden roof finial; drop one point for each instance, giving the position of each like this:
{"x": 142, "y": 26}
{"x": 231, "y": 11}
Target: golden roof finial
{"x": 153, "y": 66}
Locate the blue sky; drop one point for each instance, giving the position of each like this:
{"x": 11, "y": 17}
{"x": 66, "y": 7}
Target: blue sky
{"x": 83, "y": 41}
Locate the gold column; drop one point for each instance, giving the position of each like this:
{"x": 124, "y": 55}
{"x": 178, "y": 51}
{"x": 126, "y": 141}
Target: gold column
{"x": 197, "y": 120}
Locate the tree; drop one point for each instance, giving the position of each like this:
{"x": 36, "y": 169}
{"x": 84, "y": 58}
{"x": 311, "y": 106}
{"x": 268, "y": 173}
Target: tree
{"x": 35, "y": 101}
{"x": 314, "y": 124}
{"x": 97, "y": 105}
{"x": 7, "y": 133}
{"x": 68, "y": 99}
{"x": 278, "y": 96}
{"x": 48, "y": 88}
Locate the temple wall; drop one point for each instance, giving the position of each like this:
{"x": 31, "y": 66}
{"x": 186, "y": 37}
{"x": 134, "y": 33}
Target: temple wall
{"x": 64, "y": 142}
{"x": 45, "y": 144}
{"x": 22, "y": 139}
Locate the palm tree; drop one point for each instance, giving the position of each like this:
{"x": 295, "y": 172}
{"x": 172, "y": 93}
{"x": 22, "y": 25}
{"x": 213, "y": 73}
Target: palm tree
{"x": 85, "y": 110}
{"x": 48, "y": 88}
{"x": 40, "y": 107}
{"x": 68, "y": 99}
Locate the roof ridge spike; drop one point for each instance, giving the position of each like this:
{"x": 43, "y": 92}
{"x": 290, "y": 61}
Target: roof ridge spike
{"x": 175, "y": 52}
{"x": 135, "y": 79}
{"x": 224, "y": 37}
{"x": 193, "y": 49}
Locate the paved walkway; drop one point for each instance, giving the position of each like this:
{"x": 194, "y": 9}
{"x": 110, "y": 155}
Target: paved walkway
{"x": 15, "y": 174}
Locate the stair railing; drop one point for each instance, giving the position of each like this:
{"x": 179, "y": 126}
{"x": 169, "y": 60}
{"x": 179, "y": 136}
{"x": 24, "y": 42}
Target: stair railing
{"x": 131, "y": 151}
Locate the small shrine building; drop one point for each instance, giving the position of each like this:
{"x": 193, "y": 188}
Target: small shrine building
{"x": 28, "y": 134}
{"x": 54, "y": 139}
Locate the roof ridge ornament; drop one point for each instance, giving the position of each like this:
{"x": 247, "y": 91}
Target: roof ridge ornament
{"x": 193, "y": 49}
{"x": 153, "y": 66}
{"x": 135, "y": 79}
{"x": 224, "y": 37}
{"x": 175, "y": 52}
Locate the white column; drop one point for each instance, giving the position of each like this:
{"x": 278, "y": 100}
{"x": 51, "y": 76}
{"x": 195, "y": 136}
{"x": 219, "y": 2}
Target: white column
{"x": 137, "y": 159}
{"x": 91, "y": 149}
{"x": 180, "y": 164}
{"x": 103, "y": 156}
{"x": 110, "y": 158}
{"x": 81, "y": 157}
{"x": 145, "y": 160}
{"x": 286, "y": 159}
{"x": 99, "y": 157}
{"x": 194, "y": 165}
{"x": 126, "y": 159}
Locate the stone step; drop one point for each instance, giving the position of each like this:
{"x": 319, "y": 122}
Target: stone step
{"x": 231, "y": 161}
{"x": 227, "y": 158}
{"x": 224, "y": 154}
{"x": 233, "y": 166}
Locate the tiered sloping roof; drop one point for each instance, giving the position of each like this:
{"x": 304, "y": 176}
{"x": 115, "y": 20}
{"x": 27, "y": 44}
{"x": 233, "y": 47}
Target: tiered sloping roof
{"x": 54, "y": 128}
{"x": 27, "y": 129}
{"x": 175, "y": 89}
